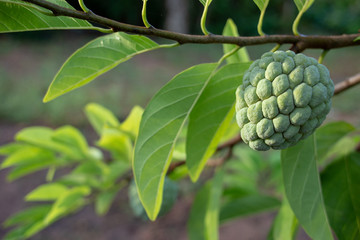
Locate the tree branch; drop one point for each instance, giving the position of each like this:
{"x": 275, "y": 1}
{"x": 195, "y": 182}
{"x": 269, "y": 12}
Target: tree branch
{"x": 346, "y": 84}
{"x": 299, "y": 43}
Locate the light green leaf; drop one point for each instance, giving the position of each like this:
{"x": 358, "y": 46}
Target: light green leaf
{"x": 205, "y": 2}
{"x": 247, "y": 205}
{"x": 211, "y": 116}
{"x": 96, "y": 58}
{"x": 303, "y": 5}
{"x": 262, "y": 4}
{"x": 118, "y": 143}
{"x": 161, "y": 124}
{"x": 203, "y": 223}
{"x": 28, "y": 216}
{"x": 104, "y": 200}
{"x": 100, "y": 117}
{"x": 42, "y": 137}
{"x": 132, "y": 122}
{"x": 25, "y": 169}
{"x": 73, "y": 139}
{"x": 285, "y": 224}
{"x": 328, "y": 136}
{"x": 26, "y": 155}
{"x": 241, "y": 55}
{"x": 46, "y": 192}
{"x": 357, "y": 39}
{"x": 341, "y": 186}
{"x": 11, "y": 148}
{"x": 17, "y": 16}
{"x": 70, "y": 201}
{"x": 303, "y": 190}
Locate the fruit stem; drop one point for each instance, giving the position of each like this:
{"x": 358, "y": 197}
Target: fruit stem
{"x": 322, "y": 56}
{"x": 143, "y": 15}
{"x": 203, "y": 19}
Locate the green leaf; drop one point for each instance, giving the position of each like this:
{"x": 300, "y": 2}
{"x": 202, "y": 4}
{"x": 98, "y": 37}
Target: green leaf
{"x": 28, "y": 215}
{"x": 247, "y": 205}
{"x": 303, "y": 190}
{"x": 328, "y": 135}
{"x": 42, "y": 137}
{"x": 262, "y": 4}
{"x": 73, "y": 139}
{"x": 17, "y": 16}
{"x": 161, "y": 124}
{"x": 10, "y": 148}
{"x": 303, "y": 5}
{"x": 241, "y": 55}
{"x": 285, "y": 224}
{"x": 211, "y": 116}
{"x": 203, "y": 223}
{"x": 70, "y": 201}
{"x": 104, "y": 200}
{"x": 132, "y": 122}
{"x": 205, "y": 2}
{"x": 118, "y": 143}
{"x": 100, "y": 117}
{"x": 46, "y": 192}
{"x": 96, "y": 58}
{"x": 357, "y": 39}
{"x": 341, "y": 186}
{"x": 26, "y": 155}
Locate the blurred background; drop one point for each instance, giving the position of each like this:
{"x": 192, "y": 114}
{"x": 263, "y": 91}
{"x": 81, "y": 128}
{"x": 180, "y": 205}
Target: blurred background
{"x": 29, "y": 61}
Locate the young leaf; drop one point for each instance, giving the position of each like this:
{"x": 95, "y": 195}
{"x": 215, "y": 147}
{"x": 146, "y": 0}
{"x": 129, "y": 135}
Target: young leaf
{"x": 262, "y": 4}
{"x": 357, "y": 39}
{"x": 132, "y": 122}
{"x": 204, "y": 215}
{"x": 42, "y": 137}
{"x": 33, "y": 166}
{"x": 341, "y": 186}
{"x": 17, "y": 16}
{"x": 241, "y": 55}
{"x": 118, "y": 143}
{"x": 26, "y": 155}
{"x": 247, "y": 205}
{"x": 303, "y": 5}
{"x": 70, "y": 201}
{"x": 211, "y": 116}
{"x": 100, "y": 117}
{"x": 73, "y": 139}
{"x": 46, "y": 192}
{"x": 160, "y": 126}
{"x": 104, "y": 200}
{"x": 285, "y": 224}
{"x": 28, "y": 215}
{"x": 96, "y": 58}
{"x": 328, "y": 135}
{"x": 303, "y": 190}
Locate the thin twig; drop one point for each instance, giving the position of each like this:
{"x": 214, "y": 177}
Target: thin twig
{"x": 300, "y": 43}
{"x": 346, "y": 84}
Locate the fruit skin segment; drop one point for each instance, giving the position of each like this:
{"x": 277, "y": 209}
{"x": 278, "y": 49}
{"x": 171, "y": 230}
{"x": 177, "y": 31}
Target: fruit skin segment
{"x": 283, "y": 99}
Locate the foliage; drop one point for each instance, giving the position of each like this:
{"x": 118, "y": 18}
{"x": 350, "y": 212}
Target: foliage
{"x": 188, "y": 124}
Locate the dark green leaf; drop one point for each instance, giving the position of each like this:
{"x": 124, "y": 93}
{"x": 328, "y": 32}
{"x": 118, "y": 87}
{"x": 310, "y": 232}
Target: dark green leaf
{"x": 303, "y": 190}
{"x": 341, "y": 187}
{"x": 211, "y": 116}
{"x": 241, "y": 55}
{"x": 328, "y": 135}
{"x": 96, "y": 58}
{"x": 16, "y": 16}
{"x": 247, "y": 205}
{"x": 161, "y": 124}
{"x": 100, "y": 117}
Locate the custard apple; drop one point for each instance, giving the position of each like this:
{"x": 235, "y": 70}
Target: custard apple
{"x": 284, "y": 97}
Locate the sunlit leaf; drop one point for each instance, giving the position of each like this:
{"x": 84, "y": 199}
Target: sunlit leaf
{"x": 100, "y": 117}
{"x": 241, "y": 55}
{"x": 160, "y": 127}
{"x": 211, "y": 116}
{"x": 96, "y": 58}
{"x": 16, "y": 16}
{"x": 28, "y": 215}
{"x": 341, "y": 186}
{"x": 46, "y": 192}
{"x": 132, "y": 122}
{"x": 303, "y": 190}
{"x": 118, "y": 143}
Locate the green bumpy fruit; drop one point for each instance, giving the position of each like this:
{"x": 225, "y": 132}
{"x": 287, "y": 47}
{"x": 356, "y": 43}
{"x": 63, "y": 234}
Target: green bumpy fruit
{"x": 284, "y": 97}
